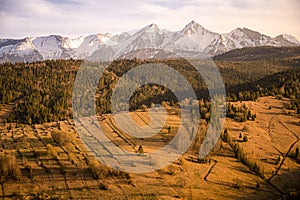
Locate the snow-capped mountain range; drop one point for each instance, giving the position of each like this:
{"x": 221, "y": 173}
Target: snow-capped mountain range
{"x": 193, "y": 37}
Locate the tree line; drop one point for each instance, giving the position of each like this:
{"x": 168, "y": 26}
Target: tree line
{"x": 43, "y": 90}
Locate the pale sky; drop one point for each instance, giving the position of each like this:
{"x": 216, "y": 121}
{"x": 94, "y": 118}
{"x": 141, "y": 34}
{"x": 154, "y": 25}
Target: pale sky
{"x": 21, "y": 18}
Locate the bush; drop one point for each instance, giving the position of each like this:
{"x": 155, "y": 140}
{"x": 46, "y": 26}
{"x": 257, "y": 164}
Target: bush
{"x": 28, "y": 167}
{"x": 141, "y": 149}
{"x": 278, "y": 160}
{"x": 246, "y": 128}
{"x": 225, "y": 136}
{"x": 171, "y": 170}
{"x": 238, "y": 184}
{"x": 103, "y": 186}
{"x": 60, "y": 137}
{"x": 203, "y": 160}
{"x": 51, "y": 150}
{"x": 257, "y": 185}
{"x": 9, "y": 168}
{"x": 98, "y": 170}
{"x": 245, "y": 138}
{"x": 240, "y": 136}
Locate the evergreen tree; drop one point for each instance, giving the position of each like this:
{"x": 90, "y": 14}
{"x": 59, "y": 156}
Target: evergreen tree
{"x": 245, "y": 138}
{"x": 140, "y": 149}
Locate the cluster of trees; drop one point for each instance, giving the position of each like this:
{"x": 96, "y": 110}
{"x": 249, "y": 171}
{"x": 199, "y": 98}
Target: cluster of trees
{"x": 239, "y": 113}
{"x": 43, "y": 90}
{"x": 241, "y": 155}
{"x": 258, "y": 53}
{"x": 250, "y": 73}
{"x": 251, "y": 164}
{"x": 285, "y": 84}
{"x": 147, "y": 94}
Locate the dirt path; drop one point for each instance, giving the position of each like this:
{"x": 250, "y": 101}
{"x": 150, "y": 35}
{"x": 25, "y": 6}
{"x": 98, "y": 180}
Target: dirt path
{"x": 287, "y": 153}
{"x": 283, "y": 159}
{"x": 268, "y": 182}
{"x": 210, "y": 169}
{"x": 287, "y": 128}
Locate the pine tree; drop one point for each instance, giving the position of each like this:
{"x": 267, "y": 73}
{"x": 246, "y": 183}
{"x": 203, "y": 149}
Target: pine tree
{"x": 141, "y": 149}
{"x": 245, "y": 138}
{"x": 225, "y": 136}
{"x": 169, "y": 129}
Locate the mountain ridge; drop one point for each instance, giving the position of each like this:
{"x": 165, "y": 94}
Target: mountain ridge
{"x": 193, "y": 37}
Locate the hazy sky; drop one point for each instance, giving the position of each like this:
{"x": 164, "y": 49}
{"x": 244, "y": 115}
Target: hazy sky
{"x": 20, "y": 18}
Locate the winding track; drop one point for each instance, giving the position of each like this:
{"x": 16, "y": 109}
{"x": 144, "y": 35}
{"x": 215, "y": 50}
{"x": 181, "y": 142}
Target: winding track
{"x": 268, "y": 182}
{"x": 286, "y": 154}
{"x": 210, "y": 169}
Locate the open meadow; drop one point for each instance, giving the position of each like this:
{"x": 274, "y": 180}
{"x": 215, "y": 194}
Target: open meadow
{"x": 51, "y": 162}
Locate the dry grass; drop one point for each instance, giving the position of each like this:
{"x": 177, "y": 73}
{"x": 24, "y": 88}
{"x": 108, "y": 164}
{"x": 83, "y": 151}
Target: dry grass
{"x": 68, "y": 170}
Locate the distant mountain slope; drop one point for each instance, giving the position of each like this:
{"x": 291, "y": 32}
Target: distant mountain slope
{"x": 193, "y": 37}
{"x": 258, "y": 53}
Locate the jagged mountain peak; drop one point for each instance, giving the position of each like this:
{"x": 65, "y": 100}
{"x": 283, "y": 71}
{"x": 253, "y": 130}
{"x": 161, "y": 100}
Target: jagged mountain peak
{"x": 286, "y": 40}
{"x": 193, "y": 27}
{"x": 150, "y": 28}
{"x": 153, "y": 26}
{"x": 193, "y": 24}
{"x": 100, "y": 39}
{"x": 251, "y": 33}
{"x": 193, "y": 37}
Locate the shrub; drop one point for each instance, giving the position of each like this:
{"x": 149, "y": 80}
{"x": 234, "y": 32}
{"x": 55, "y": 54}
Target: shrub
{"x": 245, "y": 138}
{"x": 246, "y": 128}
{"x": 181, "y": 161}
{"x": 240, "y": 136}
{"x": 9, "y": 168}
{"x": 169, "y": 129}
{"x": 238, "y": 184}
{"x": 141, "y": 149}
{"x": 171, "y": 170}
{"x": 51, "y": 150}
{"x": 257, "y": 184}
{"x": 203, "y": 160}
{"x": 28, "y": 167}
{"x": 103, "y": 186}
{"x": 98, "y": 170}
{"x": 278, "y": 160}
{"x": 60, "y": 137}
{"x": 225, "y": 136}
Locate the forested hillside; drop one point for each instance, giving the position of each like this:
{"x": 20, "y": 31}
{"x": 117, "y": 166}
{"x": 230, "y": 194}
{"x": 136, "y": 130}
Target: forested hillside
{"x": 42, "y": 91}
{"x": 258, "y": 53}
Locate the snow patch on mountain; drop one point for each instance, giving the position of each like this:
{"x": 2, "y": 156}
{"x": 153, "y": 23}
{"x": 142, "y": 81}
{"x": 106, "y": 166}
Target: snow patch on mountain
{"x": 193, "y": 37}
{"x": 50, "y": 47}
{"x": 73, "y": 42}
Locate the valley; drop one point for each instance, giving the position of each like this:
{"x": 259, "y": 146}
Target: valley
{"x": 43, "y": 156}
{"x": 55, "y": 167}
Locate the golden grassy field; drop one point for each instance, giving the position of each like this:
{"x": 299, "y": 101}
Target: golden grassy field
{"x": 53, "y": 163}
